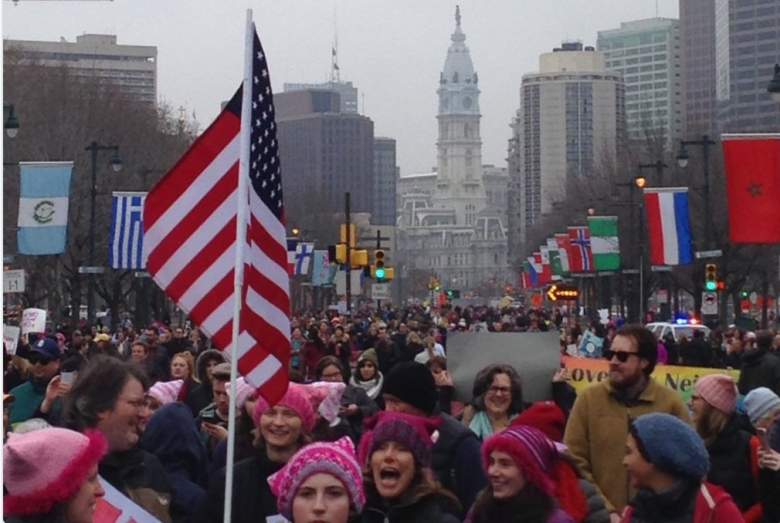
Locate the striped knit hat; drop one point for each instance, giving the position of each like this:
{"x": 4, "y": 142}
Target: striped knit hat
{"x": 336, "y": 459}
{"x": 532, "y": 451}
{"x": 166, "y": 391}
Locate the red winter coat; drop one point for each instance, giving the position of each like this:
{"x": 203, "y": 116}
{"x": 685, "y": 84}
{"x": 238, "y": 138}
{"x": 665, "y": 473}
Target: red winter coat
{"x": 713, "y": 505}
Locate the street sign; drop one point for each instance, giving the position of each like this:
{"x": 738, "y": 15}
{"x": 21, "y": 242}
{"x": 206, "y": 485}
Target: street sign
{"x": 717, "y": 253}
{"x": 92, "y": 270}
{"x": 709, "y": 303}
{"x": 753, "y": 298}
{"x": 380, "y": 291}
{"x": 661, "y": 268}
{"x": 13, "y": 281}
{"x": 662, "y": 296}
{"x": 630, "y": 271}
{"x": 563, "y": 292}
{"x": 141, "y": 274}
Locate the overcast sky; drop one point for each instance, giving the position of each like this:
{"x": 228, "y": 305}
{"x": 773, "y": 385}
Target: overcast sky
{"x": 391, "y": 50}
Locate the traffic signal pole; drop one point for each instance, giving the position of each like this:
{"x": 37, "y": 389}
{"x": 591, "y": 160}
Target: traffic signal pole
{"x": 378, "y": 247}
{"x": 349, "y": 253}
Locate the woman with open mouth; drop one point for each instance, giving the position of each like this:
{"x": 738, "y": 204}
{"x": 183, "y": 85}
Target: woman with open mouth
{"x": 399, "y": 482}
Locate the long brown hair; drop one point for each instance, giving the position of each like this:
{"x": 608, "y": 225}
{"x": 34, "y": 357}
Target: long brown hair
{"x": 710, "y": 423}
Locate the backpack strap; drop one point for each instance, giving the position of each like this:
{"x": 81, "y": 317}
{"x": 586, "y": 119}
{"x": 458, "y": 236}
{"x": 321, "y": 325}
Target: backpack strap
{"x": 707, "y": 496}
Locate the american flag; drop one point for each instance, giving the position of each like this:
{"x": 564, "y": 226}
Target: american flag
{"x": 190, "y": 220}
{"x": 126, "y": 239}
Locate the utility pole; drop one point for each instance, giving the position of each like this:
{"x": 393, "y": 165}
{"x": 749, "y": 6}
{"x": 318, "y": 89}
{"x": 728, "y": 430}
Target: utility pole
{"x": 378, "y": 247}
{"x": 349, "y": 253}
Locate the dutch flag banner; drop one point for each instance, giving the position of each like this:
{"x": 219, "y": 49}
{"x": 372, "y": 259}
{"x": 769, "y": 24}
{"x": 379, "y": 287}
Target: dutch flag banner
{"x": 669, "y": 226}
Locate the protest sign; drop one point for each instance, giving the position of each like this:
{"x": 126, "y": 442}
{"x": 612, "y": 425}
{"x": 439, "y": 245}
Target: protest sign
{"x": 10, "y": 339}
{"x": 33, "y": 320}
{"x": 115, "y": 507}
{"x": 535, "y": 356}
{"x": 585, "y": 372}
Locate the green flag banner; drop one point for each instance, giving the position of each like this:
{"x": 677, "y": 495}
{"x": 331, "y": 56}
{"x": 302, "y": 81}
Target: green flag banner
{"x": 604, "y": 242}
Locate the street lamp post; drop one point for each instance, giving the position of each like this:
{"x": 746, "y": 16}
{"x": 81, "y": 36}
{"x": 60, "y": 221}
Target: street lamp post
{"x": 116, "y": 166}
{"x": 639, "y": 183}
{"x": 682, "y": 160}
{"x": 11, "y": 123}
{"x": 658, "y": 166}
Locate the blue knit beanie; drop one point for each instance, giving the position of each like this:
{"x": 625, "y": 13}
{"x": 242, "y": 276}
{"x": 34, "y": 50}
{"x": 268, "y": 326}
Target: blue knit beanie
{"x": 671, "y": 445}
{"x": 759, "y": 403}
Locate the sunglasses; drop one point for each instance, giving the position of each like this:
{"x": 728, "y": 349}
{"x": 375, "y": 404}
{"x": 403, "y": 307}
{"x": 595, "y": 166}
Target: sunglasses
{"x": 622, "y": 356}
{"x": 37, "y": 358}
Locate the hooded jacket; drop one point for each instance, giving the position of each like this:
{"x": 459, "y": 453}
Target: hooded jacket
{"x": 199, "y": 396}
{"x": 711, "y": 505}
{"x": 172, "y": 436}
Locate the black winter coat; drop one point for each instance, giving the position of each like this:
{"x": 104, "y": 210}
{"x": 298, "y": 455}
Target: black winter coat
{"x": 428, "y": 509}
{"x": 759, "y": 369}
{"x": 730, "y": 465}
{"x": 140, "y": 476}
{"x": 252, "y": 497}
{"x": 457, "y": 461}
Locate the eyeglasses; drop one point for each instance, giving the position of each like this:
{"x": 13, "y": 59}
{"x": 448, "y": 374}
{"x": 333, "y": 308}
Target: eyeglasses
{"x": 622, "y": 356}
{"x": 499, "y": 390}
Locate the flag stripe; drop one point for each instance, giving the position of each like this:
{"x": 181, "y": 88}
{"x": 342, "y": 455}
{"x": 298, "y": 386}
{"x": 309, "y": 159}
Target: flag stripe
{"x": 654, "y": 229}
{"x": 668, "y": 228}
{"x": 683, "y": 229}
{"x": 218, "y": 144}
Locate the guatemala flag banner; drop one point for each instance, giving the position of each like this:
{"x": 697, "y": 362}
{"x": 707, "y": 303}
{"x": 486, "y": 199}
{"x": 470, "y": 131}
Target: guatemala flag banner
{"x": 669, "y": 226}
{"x": 126, "y": 240}
{"x": 43, "y": 207}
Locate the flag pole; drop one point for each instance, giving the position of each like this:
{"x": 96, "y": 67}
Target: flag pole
{"x": 238, "y": 280}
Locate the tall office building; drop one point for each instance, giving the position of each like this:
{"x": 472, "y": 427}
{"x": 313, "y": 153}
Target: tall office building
{"x": 571, "y": 115}
{"x": 647, "y": 54}
{"x": 132, "y": 68}
{"x": 385, "y": 176}
{"x": 747, "y": 45}
{"x": 324, "y": 152}
{"x": 348, "y": 93}
{"x": 447, "y": 225}
{"x": 697, "y": 36}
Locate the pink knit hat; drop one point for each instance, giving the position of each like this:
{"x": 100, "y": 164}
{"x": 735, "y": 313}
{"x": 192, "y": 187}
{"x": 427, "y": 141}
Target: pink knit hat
{"x": 166, "y": 391}
{"x": 337, "y": 459}
{"x": 244, "y": 391}
{"x": 413, "y": 432}
{"x": 297, "y": 399}
{"x": 719, "y": 390}
{"x": 47, "y": 466}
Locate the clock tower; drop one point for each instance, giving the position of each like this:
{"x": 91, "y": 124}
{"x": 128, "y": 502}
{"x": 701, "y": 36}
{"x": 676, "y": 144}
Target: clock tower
{"x": 459, "y": 183}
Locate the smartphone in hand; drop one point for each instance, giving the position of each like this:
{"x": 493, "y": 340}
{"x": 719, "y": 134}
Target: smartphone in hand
{"x": 67, "y": 378}
{"x": 762, "y": 437}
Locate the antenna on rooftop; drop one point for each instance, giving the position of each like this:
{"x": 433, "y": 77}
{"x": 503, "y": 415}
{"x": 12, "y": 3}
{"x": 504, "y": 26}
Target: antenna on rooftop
{"x": 335, "y": 75}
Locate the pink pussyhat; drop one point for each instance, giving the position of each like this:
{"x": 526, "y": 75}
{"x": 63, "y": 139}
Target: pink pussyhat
{"x": 297, "y": 399}
{"x": 336, "y": 459}
{"x": 166, "y": 391}
{"x": 47, "y": 466}
{"x": 244, "y": 391}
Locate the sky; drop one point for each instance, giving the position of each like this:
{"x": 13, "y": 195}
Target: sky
{"x": 392, "y": 51}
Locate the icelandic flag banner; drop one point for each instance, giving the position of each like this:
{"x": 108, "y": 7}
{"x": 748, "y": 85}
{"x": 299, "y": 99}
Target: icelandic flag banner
{"x": 669, "y": 226}
{"x": 43, "y": 207}
{"x": 126, "y": 240}
{"x": 303, "y": 254}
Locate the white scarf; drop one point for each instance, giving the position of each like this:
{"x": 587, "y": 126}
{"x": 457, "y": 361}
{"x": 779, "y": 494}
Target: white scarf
{"x": 372, "y": 387}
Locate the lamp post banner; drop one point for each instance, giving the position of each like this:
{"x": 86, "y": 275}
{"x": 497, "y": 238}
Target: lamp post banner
{"x": 43, "y": 207}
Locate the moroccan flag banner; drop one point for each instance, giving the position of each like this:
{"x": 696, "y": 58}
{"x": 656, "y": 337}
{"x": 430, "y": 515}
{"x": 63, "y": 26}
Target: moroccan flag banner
{"x": 604, "y": 242}
{"x": 752, "y": 163}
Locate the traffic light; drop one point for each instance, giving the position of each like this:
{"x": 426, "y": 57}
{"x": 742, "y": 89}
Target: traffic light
{"x": 711, "y": 277}
{"x": 721, "y": 285}
{"x": 341, "y": 253}
{"x": 379, "y": 264}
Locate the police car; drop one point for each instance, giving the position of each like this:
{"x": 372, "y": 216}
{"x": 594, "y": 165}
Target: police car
{"x": 679, "y": 329}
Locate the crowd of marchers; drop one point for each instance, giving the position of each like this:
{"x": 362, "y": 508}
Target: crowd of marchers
{"x": 372, "y": 430}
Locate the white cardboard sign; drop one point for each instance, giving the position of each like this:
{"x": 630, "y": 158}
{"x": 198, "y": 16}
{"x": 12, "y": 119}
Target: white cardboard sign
{"x": 10, "y": 338}
{"x": 33, "y": 320}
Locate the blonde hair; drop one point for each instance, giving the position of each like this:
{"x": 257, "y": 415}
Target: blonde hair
{"x": 189, "y": 360}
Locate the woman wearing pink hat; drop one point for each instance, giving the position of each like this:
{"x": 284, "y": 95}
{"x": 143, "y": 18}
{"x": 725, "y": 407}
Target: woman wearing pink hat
{"x": 713, "y": 406}
{"x": 321, "y": 483}
{"x": 52, "y": 475}
{"x": 282, "y": 430}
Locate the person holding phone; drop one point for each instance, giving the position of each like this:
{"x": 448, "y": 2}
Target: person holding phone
{"x": 763, "y": 408}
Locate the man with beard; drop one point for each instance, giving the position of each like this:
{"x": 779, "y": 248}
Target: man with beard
{"x": 598, "y": 425}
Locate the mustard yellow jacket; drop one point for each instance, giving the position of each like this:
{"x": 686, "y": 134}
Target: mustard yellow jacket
{"x": 597, "y": 429}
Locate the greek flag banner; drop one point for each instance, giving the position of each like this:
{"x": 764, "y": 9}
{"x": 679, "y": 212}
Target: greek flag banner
{"x": 126, "y": 242}
{"x": 43, "y": 207}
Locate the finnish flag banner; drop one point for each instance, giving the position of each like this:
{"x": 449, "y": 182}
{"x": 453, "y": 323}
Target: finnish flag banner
{"x": 126, "y": 241}
{"x": 43, "y": 207}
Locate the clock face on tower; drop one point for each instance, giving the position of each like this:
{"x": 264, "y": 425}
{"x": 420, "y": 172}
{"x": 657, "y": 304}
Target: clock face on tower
{"x": 467, "y": 102}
